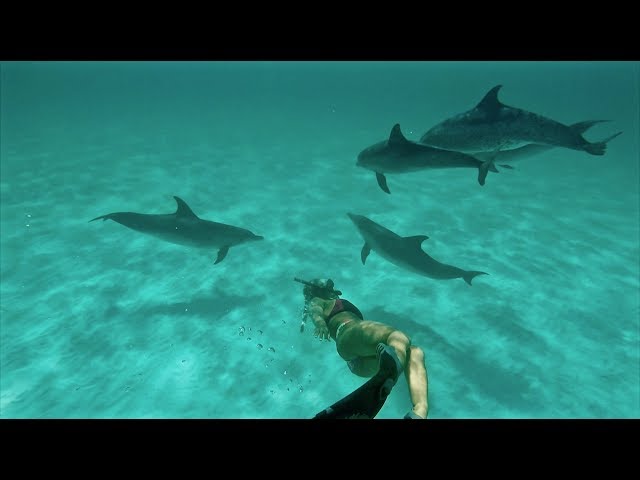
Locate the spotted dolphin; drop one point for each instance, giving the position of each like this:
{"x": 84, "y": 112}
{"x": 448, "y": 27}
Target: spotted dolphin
{"x": 405, "y": 252}
{"x": 183, "y": 227}
{"x": 532, "y": 149}
{"x": 399, "y": 155}
{"x": 493, "y": 126}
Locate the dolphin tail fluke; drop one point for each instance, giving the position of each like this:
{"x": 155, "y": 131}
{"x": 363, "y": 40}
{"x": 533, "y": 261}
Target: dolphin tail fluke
{"x": 103, "y": 217}
{"x": 608, "y": 139}
{"x": 468, "y": 276}
{"x": 582, "y": 127}
{"x": 599, "y": 148}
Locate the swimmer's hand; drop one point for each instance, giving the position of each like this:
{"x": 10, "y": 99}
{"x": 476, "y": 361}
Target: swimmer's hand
{"x": 322, "y": 332}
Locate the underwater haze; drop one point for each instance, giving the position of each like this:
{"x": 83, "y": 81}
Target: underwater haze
{"x": 100, "y": 321}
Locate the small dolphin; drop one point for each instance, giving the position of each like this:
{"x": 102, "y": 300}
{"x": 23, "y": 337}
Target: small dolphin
{"x": 492, "y": 126}
{"x": 399, "y": 155}
{"x": 405, "y": 252}
{"x": 183, "y": 227}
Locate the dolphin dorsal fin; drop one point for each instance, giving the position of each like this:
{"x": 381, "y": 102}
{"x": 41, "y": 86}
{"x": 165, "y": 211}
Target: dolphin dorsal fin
{"x": 396, "y": 137}
{"x": 490, "y": 102}
{"x": 183, "y": 209}
{"x": 415, "y": 241}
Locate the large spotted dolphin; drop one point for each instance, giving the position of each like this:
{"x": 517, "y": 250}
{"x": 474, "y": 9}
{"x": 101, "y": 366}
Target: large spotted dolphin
{"x": 183, "y": 227}
{"x": 533, "y": 149}
{"x": 399, "y": 155}
{"x": 493, "y": 126}
{"x": 405, "y": 252}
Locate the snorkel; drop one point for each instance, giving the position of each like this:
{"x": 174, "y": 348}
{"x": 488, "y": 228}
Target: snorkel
{"x": 315, "y": 288}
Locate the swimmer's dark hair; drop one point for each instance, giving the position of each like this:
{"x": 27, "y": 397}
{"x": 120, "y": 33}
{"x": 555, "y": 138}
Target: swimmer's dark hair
{"x": 319, "y": 288}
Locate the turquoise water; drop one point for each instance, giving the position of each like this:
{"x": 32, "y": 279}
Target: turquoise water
{"x": 99, "y": 321}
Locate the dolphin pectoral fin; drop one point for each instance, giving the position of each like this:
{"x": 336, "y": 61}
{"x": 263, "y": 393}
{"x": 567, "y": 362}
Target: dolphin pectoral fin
{"x": 221, "y": 254}
{"x": 482, "y": 173}
{"x": 364, "y": 253}
{"x": 382, "y": 181}
{"x": 507, "y": 166}
{"x": 486, "y": 166}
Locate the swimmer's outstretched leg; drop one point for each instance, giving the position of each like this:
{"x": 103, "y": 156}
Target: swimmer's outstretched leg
{"x": 367, "y": 400}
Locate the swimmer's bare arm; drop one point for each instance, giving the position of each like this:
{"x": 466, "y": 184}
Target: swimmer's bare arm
{"x": 317, "y": 315}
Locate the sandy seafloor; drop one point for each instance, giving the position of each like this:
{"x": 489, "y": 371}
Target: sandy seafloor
{"x": 102, "y": 322}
